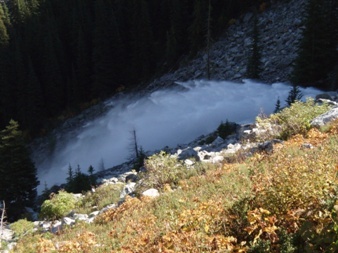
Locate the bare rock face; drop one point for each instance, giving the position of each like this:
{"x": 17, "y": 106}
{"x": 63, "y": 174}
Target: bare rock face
{"x": 280, "y": 30}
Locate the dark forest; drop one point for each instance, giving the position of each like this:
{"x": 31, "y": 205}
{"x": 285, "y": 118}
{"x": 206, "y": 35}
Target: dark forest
{"x": 58, "y": 57}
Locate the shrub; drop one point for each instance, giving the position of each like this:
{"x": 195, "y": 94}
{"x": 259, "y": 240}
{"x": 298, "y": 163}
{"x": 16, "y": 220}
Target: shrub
{"x": 58, "y": 206}
{"x": 103, "y": 196}
{"x": 163, "y": 169}
{"x": 22, "y": 227}
{"x": 295, "y": 178}
{"x": 292, "y": 120}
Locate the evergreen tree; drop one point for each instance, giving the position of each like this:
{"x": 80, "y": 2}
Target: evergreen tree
{"x": 83, "y": 70}
{"x": 254, "y": 62}
{"x": 70, "y": 178}
{"x": 180, "y": 19}
{"x": 277, "y": 106}
{"x": 52, "y": 78}
{"x": 142, "y": 41}
{"x": 30, "y": 100}
{"x": 294, "y": 95}
{"x": 209, "y": 41}
{"x": 18, "y": 180}
{"x": 317, "y": 55}
{"x": 78, "y": 182}
{"x": 19, "y": 10}
{"x": 199, "y": 25}
{"x": 4, "y": 65}
{"x": 171, "y": 48}
{"x": 108, "y": 50}
{"x": 92, "y": 178}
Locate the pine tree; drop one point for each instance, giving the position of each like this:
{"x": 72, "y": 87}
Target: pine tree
{"x": 52, "y": 78}
{"x": 4, "y": 36}
{"x": 142, "y": 41}
{"x": 317, "y": 55}
{"x": 199, "y": 25}
{"x": 4, "y": 65}
{"x": 277, "y": 106}
{"x": 30, "y": 100}
{"x": 209, "y": 41}
{"x": 18, "y": 180}
{"x": 70, "y": 178}
{"x": 171, "y": 48}
{"x": 108, "y": 50}
{"x": 20, "y": 11}
{"x": 92, "y": 177}
{"x": 294, "y": 95}
{"x": 254, "y": 62}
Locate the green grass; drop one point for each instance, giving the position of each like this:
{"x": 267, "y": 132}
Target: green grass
{"x": 284, "y": 201}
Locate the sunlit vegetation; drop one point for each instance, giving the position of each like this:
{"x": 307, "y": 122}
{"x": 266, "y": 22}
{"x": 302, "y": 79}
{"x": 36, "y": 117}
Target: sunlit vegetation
{"x": 292, "y": 120}
{"x": 283, "y": 201}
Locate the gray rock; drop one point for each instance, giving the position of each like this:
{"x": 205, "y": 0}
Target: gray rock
{"x": 325, "y": 118}
{"x": 94, "y": 214}
{"x": 187, "y": 153}
{"x": 6, "y": 234}
{"x": 56, "y": 227}
{"x": 81, "y": 217}
{"x": 188, "y": 162}
{"x": 307, "y": 145}
{"x": 323, "y": 96}
{"x": 107, "y": 208}
{"x": 218, "y": 159}
{"x": 218, "y": 141}
{"x": 151, "y": 193}
{"x": 128, "y": 189}
{"x": 68, "y": 221}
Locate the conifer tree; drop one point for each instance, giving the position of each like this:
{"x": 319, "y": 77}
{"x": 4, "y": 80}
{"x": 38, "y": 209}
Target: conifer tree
{"x": 277, "y": 106}
{"x": 52, "y": 78}
{"x": 142, "y": 41}
{"x": 294, "y": 95}
{"x": 18, "y": 179}
{"x": 4, "y": 65}
{"x": 107, "y": 51}
{"x": 199, "y": 25}
{"x": 317, "y": 55}
{"x": 171, "y": 47}
{"x": 180, "y": 20}
{"x": 30, "y": 100}
{"x": 20, "y": 11}
{"x": 209, "y": 41}
{"x": 254, "y": 62}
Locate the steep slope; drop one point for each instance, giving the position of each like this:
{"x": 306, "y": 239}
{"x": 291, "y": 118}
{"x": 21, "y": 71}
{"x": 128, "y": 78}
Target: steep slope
{"x": 280, "y": 30}
{"x": 280, "y": 199}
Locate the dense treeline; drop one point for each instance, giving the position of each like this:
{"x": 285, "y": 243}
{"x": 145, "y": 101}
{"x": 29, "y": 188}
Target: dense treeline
{"x": 18, "y": 179}
{"x": 317, "y": 62}
{"x": 58, "y": 54}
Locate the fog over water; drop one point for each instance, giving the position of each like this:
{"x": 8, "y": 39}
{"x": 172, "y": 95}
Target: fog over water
{"x": 163, "y": 118}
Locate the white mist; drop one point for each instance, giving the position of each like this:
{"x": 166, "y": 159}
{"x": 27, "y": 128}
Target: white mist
{"x": 163, "y": 118}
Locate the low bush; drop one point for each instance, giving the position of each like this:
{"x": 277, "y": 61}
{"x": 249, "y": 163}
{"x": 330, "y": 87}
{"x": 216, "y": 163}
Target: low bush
{"x": 163, "y": 169}
{"x": 291, "y": 120}
{"x": 58, "y": 206}
{"x": 103, "y": 196}
{"x": 295, "y": 177}
{"x": 22, "y": 227}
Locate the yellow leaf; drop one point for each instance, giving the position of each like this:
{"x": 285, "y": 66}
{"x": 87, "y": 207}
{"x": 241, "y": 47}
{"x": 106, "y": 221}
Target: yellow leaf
{"x": 206, "y": 228}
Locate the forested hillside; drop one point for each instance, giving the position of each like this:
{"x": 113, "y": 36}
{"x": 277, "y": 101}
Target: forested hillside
{"x": 60, "y": 54}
